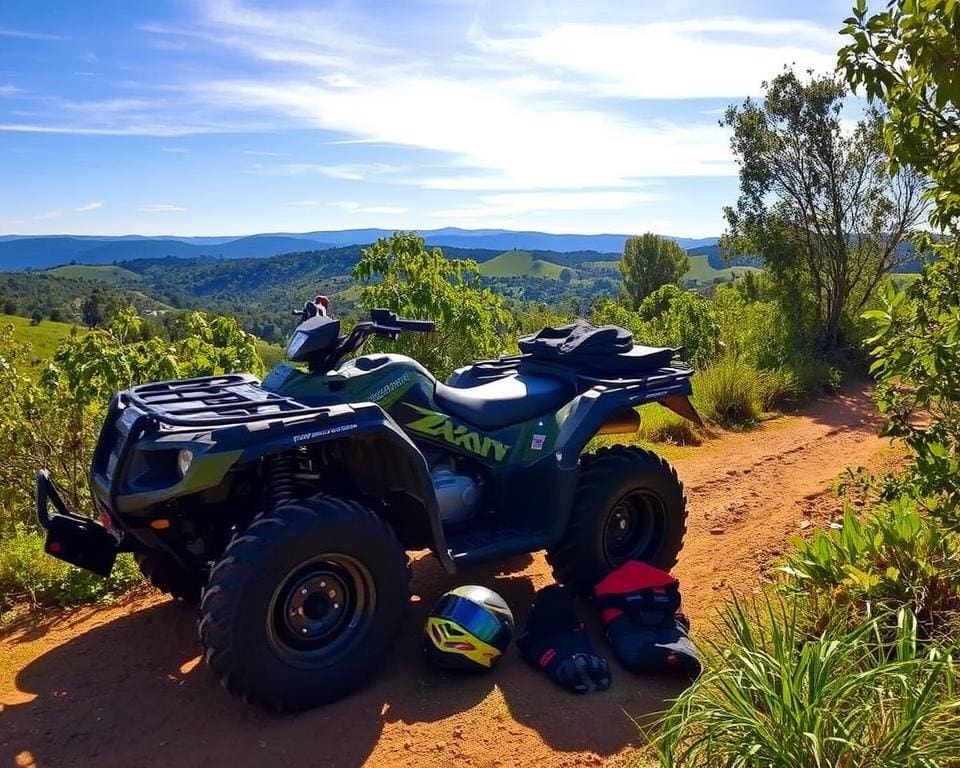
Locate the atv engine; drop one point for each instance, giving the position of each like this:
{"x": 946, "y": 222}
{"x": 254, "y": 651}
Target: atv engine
{"x": 458, "y": 496}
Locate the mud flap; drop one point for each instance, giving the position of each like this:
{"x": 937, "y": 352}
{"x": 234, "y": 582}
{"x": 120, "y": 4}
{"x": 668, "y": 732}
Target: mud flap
{"x": 681, "y": 405}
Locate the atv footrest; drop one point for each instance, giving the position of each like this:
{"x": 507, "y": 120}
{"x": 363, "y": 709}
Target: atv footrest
{"x": 485, "y": 544}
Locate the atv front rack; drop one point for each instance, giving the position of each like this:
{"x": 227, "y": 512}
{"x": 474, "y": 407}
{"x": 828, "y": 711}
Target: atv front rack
{"x": 212, "y": 401}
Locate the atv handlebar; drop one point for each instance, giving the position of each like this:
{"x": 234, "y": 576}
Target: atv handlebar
{"x": 386, "y": 319}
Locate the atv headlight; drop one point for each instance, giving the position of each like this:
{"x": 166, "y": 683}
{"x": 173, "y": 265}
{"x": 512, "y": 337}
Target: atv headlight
{"x": 184, "y": 460}
{"x": 296, "y": 342}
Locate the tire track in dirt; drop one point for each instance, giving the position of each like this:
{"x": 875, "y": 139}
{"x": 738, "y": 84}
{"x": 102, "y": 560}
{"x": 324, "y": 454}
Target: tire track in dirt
{"x": 123, "y": 686}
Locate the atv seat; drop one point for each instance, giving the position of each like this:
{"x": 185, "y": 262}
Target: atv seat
{"x": 500, "y": 403}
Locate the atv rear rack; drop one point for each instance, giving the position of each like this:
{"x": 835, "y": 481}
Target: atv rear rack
{"x": 651, "y": 379}
{"x": 213, "y": 401}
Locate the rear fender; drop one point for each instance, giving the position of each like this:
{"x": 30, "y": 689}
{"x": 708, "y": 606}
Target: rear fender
{"x": 601, "y": 410}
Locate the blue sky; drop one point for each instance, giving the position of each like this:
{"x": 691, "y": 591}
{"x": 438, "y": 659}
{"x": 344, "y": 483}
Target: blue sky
{"x": 235, "y": 116}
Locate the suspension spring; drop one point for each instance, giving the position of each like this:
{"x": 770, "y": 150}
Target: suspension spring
{"x": 278, "y": 474}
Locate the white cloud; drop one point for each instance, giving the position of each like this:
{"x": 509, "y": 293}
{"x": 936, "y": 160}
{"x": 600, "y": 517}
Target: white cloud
{"x": 261, "y": 153}
{"x": 45, "y": 215}
{"x": 160, "y": 208}
{"x": 175, "y": 150}
{"x": 89, "y": 207}
{"x": 9, "y": 90}
{"x": 695, "y": 58}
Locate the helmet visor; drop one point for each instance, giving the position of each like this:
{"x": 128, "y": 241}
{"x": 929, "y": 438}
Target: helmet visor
{"x": 475, "y": 619}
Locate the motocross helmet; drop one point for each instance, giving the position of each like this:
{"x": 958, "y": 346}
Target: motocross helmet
{"x": 469, "y": 628}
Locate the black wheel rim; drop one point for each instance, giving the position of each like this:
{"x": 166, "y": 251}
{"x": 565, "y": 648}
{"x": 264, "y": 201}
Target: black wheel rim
{"x": 635, "y": 528}
{"x": 321, "y": 610}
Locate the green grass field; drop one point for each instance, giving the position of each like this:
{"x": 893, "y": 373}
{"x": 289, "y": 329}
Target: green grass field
{"x": 43, "y": 338}
{"x": 106, "y": 273}
{"x": 519, "y": 264}
{"x": 701, "y": 271}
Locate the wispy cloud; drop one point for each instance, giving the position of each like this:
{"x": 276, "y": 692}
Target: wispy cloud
{"x": 10, "y": 90}
{"x": 262, "y": 153}
{"x": 45, "y": 215}
{"x": 342, "y": 172}
{"x": 353, "y": 207}
{"x": 27, "y": 35}
{"x": 160, "y": 208}
{"x": 89, "y": 207}
{"x": 175, "y": 150}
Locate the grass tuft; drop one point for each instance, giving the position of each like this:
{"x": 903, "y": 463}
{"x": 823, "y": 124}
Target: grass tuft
{"x": 773, "y": 697}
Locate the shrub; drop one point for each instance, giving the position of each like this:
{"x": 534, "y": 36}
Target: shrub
{"x": 778, "y": 387}
{"x": 727, "y": 393}
{"x": 399, "y": 273}
{"x": 28, "y": 574}
{"x": 661, "y": 425}
{"x": 772, "y": 697}
{"x": 894, "y": 557}
{"x": 916, "y": 351}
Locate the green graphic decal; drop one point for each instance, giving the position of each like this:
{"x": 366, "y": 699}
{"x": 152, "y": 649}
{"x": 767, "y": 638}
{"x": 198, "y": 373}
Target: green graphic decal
{"x": 440, "y": 425}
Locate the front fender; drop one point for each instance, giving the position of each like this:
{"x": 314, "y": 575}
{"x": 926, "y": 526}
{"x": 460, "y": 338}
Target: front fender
{"x": 390, "y": 459}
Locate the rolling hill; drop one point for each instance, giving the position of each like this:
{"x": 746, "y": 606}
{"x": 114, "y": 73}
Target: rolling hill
{"x": 104, "y": 273}
{"x": 519, "y": 264}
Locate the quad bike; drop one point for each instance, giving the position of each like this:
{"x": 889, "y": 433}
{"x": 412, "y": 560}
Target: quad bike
{"x": 286, "y": 507}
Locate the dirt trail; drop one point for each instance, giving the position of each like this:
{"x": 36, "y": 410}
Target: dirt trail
{"x": 123, "y": 685}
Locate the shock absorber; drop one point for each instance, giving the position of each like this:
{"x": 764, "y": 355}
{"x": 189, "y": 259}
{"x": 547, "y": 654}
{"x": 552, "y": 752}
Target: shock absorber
{"x": 278, "y": 474}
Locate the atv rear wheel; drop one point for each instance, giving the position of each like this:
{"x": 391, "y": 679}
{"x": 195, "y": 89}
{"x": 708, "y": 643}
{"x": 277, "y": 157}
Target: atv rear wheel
{"x": 167, "y": 575}
{"x": 629, "y": 505}
{"x": 304, "y": 604}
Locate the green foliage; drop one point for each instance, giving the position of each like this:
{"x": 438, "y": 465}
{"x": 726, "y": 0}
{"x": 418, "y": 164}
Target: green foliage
{"x": 906, "y": 57}
{"x": 895, "y": 557}
{"x": 669, "y": 317}
{"x": 27, "y": 573}
{"x": 399, "y": 273}
{"x": 773, "y": 697}
{"x": 916, "y": 351}
{"x": 817, "y": 202}
{"x": 52, "y": 421}
{"x": 649, "y": 262}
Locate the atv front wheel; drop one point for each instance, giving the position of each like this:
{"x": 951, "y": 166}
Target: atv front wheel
{"x": 304, "y": 603}
{"x": 167, "y": 575}
{"x": 629, "y": 505}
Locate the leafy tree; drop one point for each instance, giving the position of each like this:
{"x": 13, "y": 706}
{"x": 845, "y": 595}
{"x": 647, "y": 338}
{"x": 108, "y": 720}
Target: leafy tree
{"x": 99, "y": 306}
{"x": 566, "y": 275}
{"x": 649, "y": 262}
{"x": 399, "y": 273}
{"x": 817, "y": 201}
{"x": 908, "y": 58}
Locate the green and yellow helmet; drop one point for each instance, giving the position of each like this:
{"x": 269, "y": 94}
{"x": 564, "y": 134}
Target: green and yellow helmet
{"x": 469, "y": 628}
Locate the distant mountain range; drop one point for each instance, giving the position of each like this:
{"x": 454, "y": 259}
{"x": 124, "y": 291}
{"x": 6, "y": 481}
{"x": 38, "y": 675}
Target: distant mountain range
{"x": 39, "y": 252}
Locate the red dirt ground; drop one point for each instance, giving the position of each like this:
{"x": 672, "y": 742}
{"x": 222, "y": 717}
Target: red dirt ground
{"x": 123, "y": 685}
